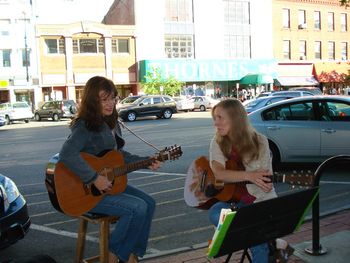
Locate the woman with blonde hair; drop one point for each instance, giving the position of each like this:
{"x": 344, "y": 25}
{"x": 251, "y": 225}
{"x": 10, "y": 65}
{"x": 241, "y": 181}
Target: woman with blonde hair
{"x": 236, "y": 140}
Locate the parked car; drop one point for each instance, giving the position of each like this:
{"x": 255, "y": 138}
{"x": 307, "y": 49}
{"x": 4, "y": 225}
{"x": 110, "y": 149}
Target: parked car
{"x": 2, "y": 121}
{"x": 56, "y": 109}
{"x": 292, "y": 93}
{"x": 305, "y": 129}
{"x": 14, "y": 218}
{"x": 203, "y": 102}
{"x": 16, "y": 111}
{"x": 161, "y": 106}
{"x": 258, "y": 103}
{"x": 128, "y": 100}
{"x": 184, "y": 104}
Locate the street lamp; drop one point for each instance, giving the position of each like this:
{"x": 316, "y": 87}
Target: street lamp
{"x": 26, "y": 47}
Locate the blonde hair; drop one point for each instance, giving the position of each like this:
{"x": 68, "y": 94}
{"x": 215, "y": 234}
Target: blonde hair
{"x": 242, "y": 137}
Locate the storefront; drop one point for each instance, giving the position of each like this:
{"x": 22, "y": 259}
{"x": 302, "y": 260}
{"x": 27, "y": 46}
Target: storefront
{"x": 208, "y": 77}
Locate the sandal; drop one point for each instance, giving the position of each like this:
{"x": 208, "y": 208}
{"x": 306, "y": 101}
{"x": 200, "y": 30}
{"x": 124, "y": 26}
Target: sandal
{"x": 282, "y": 255}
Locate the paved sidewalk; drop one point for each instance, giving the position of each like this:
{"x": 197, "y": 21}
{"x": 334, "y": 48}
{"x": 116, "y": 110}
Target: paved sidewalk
{"x": 334, "y": 233}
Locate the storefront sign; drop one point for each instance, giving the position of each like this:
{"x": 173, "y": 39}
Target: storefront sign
{"x": 3, "y": 83}
{"x": 207, "y": 70}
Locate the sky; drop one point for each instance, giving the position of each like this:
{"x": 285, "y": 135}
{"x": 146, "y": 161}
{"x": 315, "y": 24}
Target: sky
{"x": 68, "y": 11}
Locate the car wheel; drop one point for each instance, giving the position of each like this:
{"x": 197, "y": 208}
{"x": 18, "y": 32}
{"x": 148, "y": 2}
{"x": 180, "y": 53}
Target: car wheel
{"x": 55, "y": 117}
{"x": 202, "y": 108}
{"x": 275, "y": 154}
{"x": 8, "y": 121}
{"x": 131, "y": 116}
{"x": 72, "y": 109}
{"x": 167, "y": 113}
{"x": 37, "y": 117}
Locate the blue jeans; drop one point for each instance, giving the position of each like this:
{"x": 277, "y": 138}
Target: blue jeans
{"x": 260, "y": 253}
{"x": 135, "y": 210}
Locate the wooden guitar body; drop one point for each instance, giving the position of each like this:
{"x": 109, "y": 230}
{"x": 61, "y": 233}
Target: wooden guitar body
{"x": 73, "y": 196}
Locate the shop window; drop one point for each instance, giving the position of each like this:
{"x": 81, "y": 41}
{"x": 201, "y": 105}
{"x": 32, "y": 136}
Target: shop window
{"x": 55, "y": 46}
{"x": 88, "y": 45}
{"x": 120, "y": 45}
{"x": 6, "y": 58}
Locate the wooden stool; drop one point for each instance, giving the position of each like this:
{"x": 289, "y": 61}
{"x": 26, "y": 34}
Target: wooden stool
{"x": 104, "y": 222}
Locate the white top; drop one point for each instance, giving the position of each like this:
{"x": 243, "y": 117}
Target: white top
{"x": 262, "y": 163}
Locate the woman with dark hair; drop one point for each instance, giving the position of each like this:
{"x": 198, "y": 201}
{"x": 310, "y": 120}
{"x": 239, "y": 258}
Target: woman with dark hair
{"x": 236, "y": 140}
{"x": 95, "y": 130}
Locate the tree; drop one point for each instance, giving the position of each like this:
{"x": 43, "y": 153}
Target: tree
{"x": 154, "y": 82}
{"x": 345, "y": 3}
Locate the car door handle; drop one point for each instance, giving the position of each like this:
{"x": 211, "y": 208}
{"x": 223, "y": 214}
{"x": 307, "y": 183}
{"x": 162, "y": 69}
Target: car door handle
{"x": 328, "y": 130}
{"x": 273, "y": 128}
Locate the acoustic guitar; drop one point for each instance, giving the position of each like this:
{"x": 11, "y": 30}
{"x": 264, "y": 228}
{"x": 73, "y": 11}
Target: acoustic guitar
{"x": 202, "y": 190}
{"x": 75, "y": 198}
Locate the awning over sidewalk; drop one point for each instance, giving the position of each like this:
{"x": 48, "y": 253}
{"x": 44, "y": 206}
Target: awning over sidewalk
{"x": 296, "y": 81}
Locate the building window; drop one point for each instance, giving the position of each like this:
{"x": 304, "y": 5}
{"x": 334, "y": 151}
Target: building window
{"x": 344, "y": 50}
{"x": 331, "y": 50}
{"x": 302, "y": 19}
{"x": 286, "y": 49}
{"x": 318, "y": 54}
{"x": 330, "y": 21}
{"x": 178, "y": 11}
{"x": 88, "y": 45}
{"x": 26, "y": 57}
{"x": 178, "y": 46}
{"x": 237, "y": 46}
{"x": 302, "y": 49}
{"x": 236, "y": 12}
{"x": 343, "y": 22}
{"x": 6, "y": 58}
{"x": 317, "y": 20}
{"x": 120, "y": 45}
{"x": 55, "y": 46}
{"x": 286, "y": 18}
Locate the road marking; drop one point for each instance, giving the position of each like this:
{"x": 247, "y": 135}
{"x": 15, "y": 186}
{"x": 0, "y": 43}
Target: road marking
{"x": 182, "y": 233}
{"x": 167, "y": 191}
{"x": 160, "y": 182}
{"x": 61, "y": 222}
{"x": 43, "y": 214}
{"x": 334, "y": 182}
{"x": 61, "y": 232}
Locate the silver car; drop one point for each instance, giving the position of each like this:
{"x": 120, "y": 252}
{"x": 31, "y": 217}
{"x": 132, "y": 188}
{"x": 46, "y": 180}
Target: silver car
{"x": 258, "y": 103}
{"x": 305, "y": 129}
{"x": 16, "y": 111}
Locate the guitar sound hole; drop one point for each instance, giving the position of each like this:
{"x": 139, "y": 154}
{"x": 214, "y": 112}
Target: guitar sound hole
{"x": 95, "y": 191}
{"x": 211, "y": 191}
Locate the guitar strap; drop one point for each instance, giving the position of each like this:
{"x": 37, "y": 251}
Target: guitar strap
{"x": 246, "y": 198}
{"x": 122, "y": 124}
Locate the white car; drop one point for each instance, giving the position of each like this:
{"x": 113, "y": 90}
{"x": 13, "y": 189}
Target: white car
{"x": 203, "y": 102}
{"x": 17, "y": 111}
{"x": 305, "y": 129}
{"x": 183, "y": 104}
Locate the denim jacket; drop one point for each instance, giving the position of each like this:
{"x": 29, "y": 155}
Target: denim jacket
{"x": 83, "y": 140}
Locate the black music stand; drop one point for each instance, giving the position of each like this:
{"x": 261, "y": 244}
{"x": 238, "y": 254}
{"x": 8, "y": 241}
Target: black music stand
{"x": 265, "y": 221}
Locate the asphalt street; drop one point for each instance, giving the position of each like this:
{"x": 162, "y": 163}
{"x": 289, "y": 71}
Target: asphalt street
{"x": 25, "y": 149}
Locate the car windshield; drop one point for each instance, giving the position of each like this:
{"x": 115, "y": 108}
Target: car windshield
{"x": 20, "y": 105}
{"x": 129, "y": 100}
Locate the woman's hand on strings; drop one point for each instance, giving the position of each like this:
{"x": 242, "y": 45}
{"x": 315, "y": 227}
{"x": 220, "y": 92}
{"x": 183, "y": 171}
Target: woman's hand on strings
{"x": 262, "y": 179}
{"x": 102, "y": 183}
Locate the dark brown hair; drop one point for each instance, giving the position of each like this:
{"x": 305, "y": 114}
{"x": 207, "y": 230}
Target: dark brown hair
{"x": 90, "y": 106}
{"x": 242, "y": 135}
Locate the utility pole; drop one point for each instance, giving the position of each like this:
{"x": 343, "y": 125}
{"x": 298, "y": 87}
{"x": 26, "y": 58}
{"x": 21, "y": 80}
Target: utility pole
{"x": 26, "y": 47}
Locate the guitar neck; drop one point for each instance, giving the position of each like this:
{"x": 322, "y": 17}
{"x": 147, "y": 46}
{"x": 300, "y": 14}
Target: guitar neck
{"x": 130, "y": 167}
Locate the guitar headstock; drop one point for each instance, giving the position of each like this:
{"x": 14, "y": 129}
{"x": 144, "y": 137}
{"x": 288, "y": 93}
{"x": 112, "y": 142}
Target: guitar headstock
{"x": 170, "y": 153}
{"x": 296, "y": 178}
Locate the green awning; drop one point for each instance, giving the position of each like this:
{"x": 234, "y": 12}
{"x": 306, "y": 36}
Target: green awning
{"x": 256, "y": 79}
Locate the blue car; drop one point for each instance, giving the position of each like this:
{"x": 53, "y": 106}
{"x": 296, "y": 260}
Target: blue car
{"x": 2, "y": 121}
{"x": 14, "y": 218}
